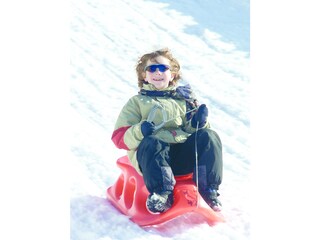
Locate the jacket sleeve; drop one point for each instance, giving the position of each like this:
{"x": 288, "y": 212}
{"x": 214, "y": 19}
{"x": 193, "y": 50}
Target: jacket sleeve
{"x": 127, "y": 132}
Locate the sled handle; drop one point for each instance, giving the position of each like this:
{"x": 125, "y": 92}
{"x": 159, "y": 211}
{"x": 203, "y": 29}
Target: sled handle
{"x": 152, "y": 115}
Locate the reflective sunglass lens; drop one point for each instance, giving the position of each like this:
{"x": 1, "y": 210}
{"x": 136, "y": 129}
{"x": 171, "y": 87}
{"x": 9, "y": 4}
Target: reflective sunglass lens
{"x": 153, "y": 68}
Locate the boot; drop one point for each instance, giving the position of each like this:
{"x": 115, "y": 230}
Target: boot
{"x": 210, "y": 196}
{"x": 160, "y": 202}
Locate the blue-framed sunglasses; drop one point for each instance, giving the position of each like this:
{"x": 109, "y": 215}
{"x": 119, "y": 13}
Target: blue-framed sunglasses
{"x": 152, "y": 68}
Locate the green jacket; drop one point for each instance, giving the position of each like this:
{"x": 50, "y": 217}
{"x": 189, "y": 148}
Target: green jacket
{"x": 127, "y": 132}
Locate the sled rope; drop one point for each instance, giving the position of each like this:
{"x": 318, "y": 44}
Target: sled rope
{"x": 152, "y": 113}
{"x": 193, "y": 109}
{"x": 196, "y": 156}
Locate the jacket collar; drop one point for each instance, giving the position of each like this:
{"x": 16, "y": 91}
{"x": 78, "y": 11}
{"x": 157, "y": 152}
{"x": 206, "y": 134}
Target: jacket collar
{"x": 150, "y": 87}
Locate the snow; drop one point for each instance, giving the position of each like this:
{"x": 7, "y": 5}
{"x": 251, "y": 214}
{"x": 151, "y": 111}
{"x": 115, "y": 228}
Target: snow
{"x": 106, "y": 40}
{"x": 57, "y": 117}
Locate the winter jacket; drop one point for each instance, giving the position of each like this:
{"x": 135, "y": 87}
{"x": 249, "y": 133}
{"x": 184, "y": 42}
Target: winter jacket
{"x": 127, "y": 132}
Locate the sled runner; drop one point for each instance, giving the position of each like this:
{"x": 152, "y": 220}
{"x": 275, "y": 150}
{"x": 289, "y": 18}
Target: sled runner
{"x": 129, "y": 195}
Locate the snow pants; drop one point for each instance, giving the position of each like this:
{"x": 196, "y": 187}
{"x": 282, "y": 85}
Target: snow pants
{"x": 160, "y": 161}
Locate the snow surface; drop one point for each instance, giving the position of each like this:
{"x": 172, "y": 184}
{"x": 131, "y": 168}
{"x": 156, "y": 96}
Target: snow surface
{"x": 211, "y": 41}
{"x": 271, "y": 184}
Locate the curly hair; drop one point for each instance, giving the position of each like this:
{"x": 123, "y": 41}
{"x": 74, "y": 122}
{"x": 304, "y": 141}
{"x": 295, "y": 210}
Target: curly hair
{"x": 165, "y": 52}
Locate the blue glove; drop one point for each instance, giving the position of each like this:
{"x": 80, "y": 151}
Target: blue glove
{"x": 200, "y": 116}
{"x": 185, "y": 92}
{"x": 147, "y": 128}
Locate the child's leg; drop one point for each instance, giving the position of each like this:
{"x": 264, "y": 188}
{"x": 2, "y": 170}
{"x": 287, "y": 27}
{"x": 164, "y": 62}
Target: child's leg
{"x": 209, "y": 158}
{"x": 153, "y": 157}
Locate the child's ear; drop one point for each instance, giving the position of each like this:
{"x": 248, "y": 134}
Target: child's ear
{"x": 172, "y": 76}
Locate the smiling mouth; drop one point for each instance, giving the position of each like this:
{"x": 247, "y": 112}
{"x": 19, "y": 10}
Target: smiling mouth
{"x": 158, "y": 80}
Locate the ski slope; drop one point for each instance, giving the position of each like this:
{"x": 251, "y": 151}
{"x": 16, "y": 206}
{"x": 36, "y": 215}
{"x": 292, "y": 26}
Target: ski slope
{"x": 211, "y": 41}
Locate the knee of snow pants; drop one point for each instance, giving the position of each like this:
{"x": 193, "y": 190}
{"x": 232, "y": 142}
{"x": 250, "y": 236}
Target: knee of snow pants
{"x": 153, "y": 158}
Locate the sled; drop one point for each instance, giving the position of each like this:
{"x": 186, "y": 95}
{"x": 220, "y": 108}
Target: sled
{"x": 129, "y": 195}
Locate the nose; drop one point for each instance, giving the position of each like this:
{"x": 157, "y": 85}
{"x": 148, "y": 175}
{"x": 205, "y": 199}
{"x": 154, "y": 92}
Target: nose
{"x": 157, "y": 71}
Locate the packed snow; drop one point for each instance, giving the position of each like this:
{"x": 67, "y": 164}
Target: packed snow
{"x": 211, "y": 41}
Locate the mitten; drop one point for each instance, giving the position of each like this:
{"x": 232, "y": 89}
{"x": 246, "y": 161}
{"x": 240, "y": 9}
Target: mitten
{"x": 185, "y": 92}
{"x": 200, "y": 116}
{"x": 147, "y": 128}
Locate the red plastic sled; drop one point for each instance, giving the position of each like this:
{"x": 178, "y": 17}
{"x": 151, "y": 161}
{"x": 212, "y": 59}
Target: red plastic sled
{"x": 129, "y": 195}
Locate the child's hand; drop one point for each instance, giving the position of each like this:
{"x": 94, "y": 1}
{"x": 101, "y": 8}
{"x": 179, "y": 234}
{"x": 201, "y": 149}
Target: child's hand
{"x": 147, "y": 128}
{"x": 184, "y": 91}
{"x": 200, "y": 116}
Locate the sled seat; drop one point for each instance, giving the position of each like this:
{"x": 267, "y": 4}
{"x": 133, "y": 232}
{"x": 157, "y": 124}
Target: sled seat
{"x": 129, "y": 195}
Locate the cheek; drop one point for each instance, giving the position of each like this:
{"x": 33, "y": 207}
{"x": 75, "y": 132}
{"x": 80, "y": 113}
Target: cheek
{"x": 170, "y": 76}
{"x": 146, "y": 77}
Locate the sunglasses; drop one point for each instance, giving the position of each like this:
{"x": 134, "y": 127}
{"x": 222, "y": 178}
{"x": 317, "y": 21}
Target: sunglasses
{"x": 152, "y": 68}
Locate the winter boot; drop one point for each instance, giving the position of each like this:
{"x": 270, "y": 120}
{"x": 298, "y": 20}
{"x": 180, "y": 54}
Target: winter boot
{"x": 160, "y": 202}
{"x": 210, "y": 196}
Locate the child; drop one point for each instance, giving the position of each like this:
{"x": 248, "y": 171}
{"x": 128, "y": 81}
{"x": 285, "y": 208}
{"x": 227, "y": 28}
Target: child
{"x": 159, "y": 128}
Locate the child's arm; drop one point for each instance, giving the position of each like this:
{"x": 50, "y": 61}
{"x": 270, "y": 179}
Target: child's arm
{"x": 127, "y": 134}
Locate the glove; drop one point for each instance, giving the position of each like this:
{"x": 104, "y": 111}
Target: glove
{"x": 184, "y": 91}
{"x": 200, "y": 116}
{"x": 147, "y": 128}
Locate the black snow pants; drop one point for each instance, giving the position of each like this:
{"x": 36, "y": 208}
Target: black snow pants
{"x": 159, "y": 161}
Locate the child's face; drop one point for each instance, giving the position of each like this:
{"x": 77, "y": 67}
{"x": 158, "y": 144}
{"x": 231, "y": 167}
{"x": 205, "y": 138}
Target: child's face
{"x": 158, "y": 78}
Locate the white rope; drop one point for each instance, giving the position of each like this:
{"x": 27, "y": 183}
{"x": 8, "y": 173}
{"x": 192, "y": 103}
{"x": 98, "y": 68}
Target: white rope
{"x": 193, "y": 109}
{"x": 196, "y": 156}
{"x": 152, "y": 114}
